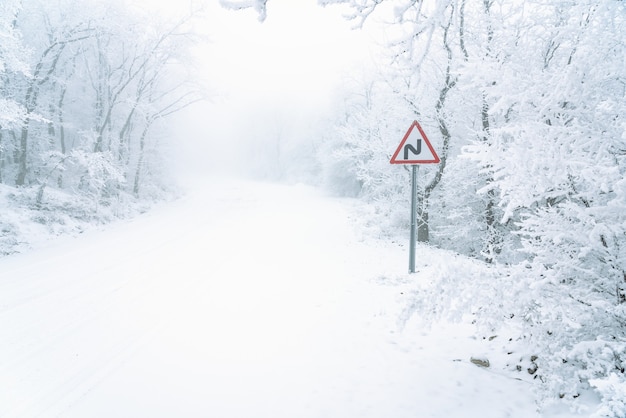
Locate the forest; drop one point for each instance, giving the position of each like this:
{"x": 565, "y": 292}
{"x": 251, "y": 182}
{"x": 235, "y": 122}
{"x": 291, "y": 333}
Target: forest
{"x": 85, "y": 89}
{"x": 525, "y": 102}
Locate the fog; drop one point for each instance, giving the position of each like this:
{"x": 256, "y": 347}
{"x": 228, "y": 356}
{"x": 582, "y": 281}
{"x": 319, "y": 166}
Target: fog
{"x": 269, "y": 84}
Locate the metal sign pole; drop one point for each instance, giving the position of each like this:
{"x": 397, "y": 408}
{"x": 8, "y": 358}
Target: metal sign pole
{"x": 413, "y": 218}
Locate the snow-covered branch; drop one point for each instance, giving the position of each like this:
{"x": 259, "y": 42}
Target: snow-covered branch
{"x": 260, "y": 6}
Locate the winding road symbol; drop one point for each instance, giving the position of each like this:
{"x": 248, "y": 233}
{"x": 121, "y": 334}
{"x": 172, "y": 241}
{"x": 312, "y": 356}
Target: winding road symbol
{"x": 412, "y": 150}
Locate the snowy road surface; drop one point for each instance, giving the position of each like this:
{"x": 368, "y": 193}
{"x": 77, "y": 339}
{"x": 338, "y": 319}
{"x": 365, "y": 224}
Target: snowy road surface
{"x": 239, "y": 300}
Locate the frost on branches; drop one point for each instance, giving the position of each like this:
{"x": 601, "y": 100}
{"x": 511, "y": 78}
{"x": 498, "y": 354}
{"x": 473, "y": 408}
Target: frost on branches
{"x": 556, "y": 157}
{"x": 12, "y": 60}
{"x": 538, "y": 161}
{"x": 85, "y": 89}
{"x": 259, "y": 6}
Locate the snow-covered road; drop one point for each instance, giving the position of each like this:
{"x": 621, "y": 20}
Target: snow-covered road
{"x": 240, "y": 300}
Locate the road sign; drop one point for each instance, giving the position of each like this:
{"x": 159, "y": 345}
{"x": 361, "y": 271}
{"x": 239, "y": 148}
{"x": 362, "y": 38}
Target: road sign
{"x": 415, "y": 148}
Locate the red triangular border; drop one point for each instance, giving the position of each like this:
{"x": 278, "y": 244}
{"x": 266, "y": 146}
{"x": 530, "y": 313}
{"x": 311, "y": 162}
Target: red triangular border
{"x": 415, "y": 124}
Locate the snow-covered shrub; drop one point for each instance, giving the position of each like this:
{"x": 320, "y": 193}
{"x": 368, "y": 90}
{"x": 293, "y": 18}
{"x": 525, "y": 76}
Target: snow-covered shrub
{"x": 100, "y": 176}
{"x": 613, "y": 391}
{"x": 555, "y": 157}
{"x": 354, "y": 157}
{"x": 338, "y": 174}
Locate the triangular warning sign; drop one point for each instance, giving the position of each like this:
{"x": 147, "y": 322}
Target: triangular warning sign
{"x": 415, "y": 148}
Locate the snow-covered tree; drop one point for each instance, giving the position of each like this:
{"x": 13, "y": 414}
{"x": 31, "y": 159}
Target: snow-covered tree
{"x": 13, "y": 58}
{"x": 97, "y": 79}
{"x": 556, "y": 157}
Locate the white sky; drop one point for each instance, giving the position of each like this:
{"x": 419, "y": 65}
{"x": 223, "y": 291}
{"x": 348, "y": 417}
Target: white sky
{"x": 285, "y": 67}
{"x": 299, "y": 50}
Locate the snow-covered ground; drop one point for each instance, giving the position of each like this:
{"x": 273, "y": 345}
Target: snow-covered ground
{"x": 241, "y": 299}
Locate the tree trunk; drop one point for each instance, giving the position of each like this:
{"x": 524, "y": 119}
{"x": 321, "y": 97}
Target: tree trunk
{"x": 422, "y": 214}
{"x": 32, "y": 95}
{"x": 422, "y": 224}
{"x": 61, "y": 121}
{"x": 142, "y": 145}
{"x": 23, "y": 155}
{"x": 1, "y": 158}
{"x": 493, "y": 243}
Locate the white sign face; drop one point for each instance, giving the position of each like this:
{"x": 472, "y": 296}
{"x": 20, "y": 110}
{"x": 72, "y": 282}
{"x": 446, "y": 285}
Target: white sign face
{"x": 415, "y": 148}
